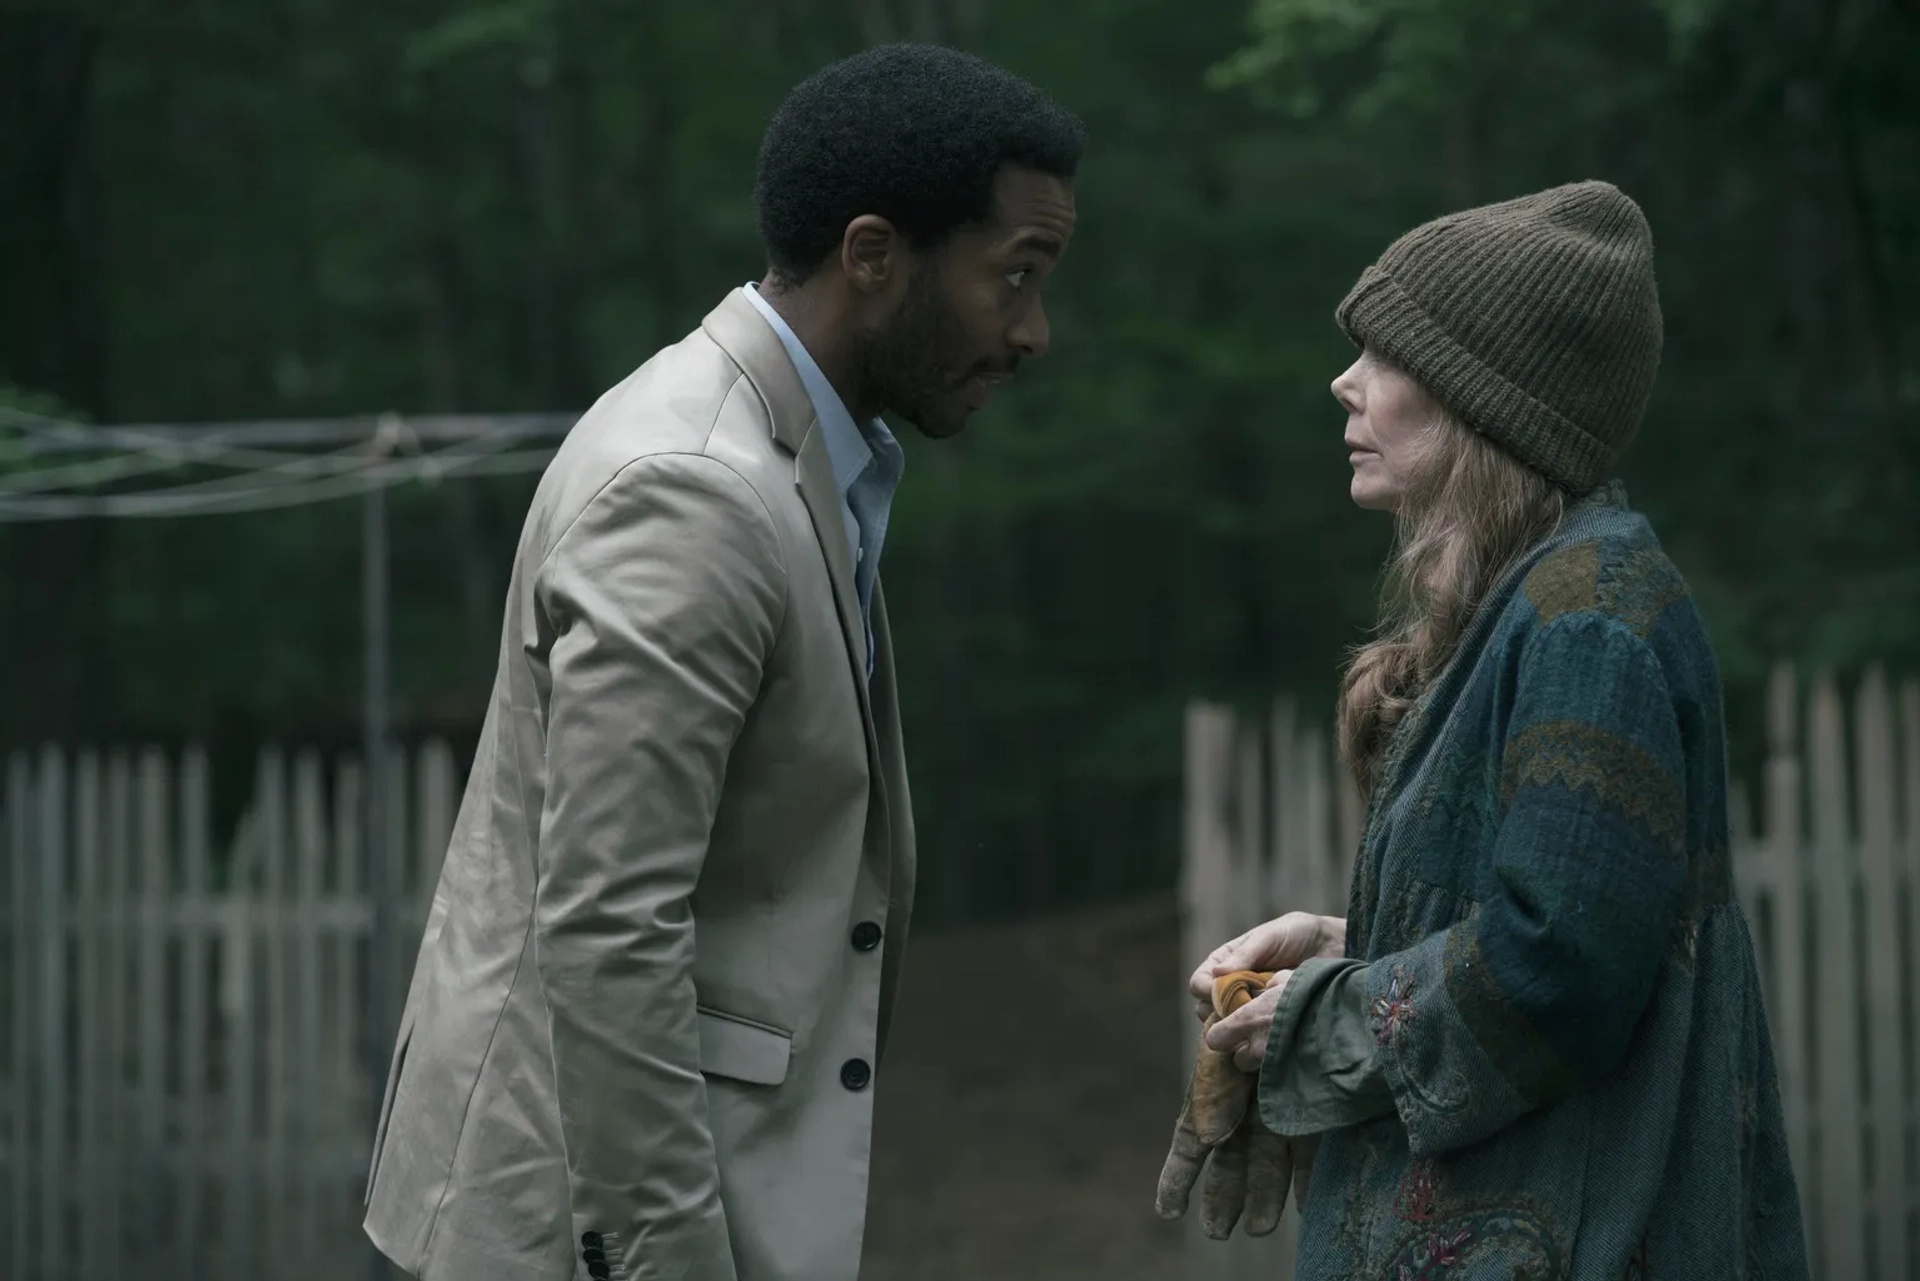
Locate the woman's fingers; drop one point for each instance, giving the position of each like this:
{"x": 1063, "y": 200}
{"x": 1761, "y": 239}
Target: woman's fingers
{"x": 1280, "y": 944}
{"x": 1230, "y": 1033}
{"x": 1241, "y": 953}
{"x": 1225, "y": 959}
{"x": 1243, "y": 1033}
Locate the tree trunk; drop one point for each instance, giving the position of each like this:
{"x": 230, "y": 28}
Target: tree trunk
{"x": 475, "y": 576}
{"x": 53, "y": 335}
{"x": 660, "y": 210}
{"x": 58, "y": 681}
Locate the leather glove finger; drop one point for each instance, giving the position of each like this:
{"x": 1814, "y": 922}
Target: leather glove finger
{"x": 1182, "y": 1167}
{"x": 1219, "y": 1090}
{"x": 1269, "y": 1171}
{"x": 1231, "y": 991}
{"x": 1224, "y": 1194}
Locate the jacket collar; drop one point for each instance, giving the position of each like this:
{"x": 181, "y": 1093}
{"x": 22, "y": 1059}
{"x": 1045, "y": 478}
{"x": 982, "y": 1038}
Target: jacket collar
{"x": 739, "y": 329}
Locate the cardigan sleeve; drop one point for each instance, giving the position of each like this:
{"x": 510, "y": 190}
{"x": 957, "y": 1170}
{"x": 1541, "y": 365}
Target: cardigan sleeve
{"x": 1536, "y": 993}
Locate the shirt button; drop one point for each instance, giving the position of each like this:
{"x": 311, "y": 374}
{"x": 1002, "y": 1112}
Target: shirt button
{"x": 855, "y": 1074}
{"x": 866, "y": 936}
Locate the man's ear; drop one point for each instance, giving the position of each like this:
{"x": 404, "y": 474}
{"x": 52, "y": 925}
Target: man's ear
{"x": 872, "y": 254}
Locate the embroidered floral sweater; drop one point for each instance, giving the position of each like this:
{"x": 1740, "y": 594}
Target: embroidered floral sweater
{"x": 1545, "y": 1055}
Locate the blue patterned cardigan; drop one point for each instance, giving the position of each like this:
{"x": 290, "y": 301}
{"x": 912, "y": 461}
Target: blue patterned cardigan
{"x": 1560, "y": 987}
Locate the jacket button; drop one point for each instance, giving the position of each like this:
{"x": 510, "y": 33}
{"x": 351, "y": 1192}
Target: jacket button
{"x": 855, "y": 1074}
{"x": 866, "y": 936}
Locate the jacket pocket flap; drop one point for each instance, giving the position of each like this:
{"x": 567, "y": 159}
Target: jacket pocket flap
{"x": 742, "y": 1051}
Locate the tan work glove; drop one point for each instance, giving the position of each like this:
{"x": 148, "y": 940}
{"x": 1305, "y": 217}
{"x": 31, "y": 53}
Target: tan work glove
{"x": 1249, "y": 1167}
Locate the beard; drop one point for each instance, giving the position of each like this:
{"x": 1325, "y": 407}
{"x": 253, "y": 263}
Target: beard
{"x": 910, "y": 363}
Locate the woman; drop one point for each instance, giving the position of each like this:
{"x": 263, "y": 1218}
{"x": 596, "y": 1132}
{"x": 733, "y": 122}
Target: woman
{"x": 1535, "y": 1047}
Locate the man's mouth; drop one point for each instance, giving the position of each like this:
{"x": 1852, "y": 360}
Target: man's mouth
{"x": 980, "y": 387}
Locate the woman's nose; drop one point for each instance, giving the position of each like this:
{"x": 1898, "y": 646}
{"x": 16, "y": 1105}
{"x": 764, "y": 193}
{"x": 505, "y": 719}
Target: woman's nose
{"x": 1346, "y": 393}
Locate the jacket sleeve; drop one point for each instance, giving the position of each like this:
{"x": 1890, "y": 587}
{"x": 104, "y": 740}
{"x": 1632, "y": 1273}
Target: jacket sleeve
{"x": 1322, "y": 1070}
{"x": 1538, "y": 991}
{"x": 664, "y": 599}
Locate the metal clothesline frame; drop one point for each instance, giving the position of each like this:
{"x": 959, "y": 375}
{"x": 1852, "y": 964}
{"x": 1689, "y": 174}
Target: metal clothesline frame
{"x": 272, "y": 467}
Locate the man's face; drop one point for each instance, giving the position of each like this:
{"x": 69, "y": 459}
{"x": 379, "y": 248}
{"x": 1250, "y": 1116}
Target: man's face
{"x": 972, "y": 309}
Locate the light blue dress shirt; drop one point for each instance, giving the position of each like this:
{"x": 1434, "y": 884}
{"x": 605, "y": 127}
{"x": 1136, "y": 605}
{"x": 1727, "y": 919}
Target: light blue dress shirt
{"x": 867, "y": 464}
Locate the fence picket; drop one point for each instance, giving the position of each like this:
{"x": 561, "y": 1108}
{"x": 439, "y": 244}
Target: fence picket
{"x": 196, "y": 951}
{"x": 1787, "y": 879}
{"x": 395, "y": 842}
{"x": 82, "y": 920}
{"x": 1886, "y": 1094}
{"x": 1909, "y": 901}
{"x": 151, "y": 1189}
{"x": 1836, "y": 1013}
{"x": 107, "y": 1192}
{"x": 55, "y": 1129}
{"x": 347, "y": 1050}
{"x": 238, "y": 1169}
{"x": 1270, "y": 1256}
{"x": 1249, "y": 820}
{"x": 183, "y": 1036}
{"x": 1207, "y": 894}
{"x": 1317, "y": 813}
{"x": 24, "y": 963}
{"x": 1283, "y": 876}
{"x": 278, "y": 1097}
{"x": 309, "y": 846}
{"x": 1351, "y": 815}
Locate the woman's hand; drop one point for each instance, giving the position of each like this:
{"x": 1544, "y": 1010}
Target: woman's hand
{"x": 1280, "y": 944}
{"x": 1243, "y": 1033}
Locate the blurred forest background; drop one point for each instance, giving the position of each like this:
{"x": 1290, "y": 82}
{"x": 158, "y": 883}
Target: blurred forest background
{"x": 247, "y": 209}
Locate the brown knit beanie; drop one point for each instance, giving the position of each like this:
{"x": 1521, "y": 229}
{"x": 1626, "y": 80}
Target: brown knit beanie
{"x": 1536, "y": 321}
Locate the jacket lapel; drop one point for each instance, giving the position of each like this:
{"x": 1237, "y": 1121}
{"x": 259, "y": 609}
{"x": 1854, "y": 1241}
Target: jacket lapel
{"x": 744, "y": 335}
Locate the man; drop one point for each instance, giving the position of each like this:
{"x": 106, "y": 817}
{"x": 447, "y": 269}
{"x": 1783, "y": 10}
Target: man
{"x": 655, "y": 981}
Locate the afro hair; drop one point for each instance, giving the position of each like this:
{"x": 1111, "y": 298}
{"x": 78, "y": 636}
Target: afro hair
{"x": 914, "y": 133}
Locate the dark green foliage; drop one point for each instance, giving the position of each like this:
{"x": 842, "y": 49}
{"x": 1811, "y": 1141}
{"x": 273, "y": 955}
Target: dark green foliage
{"x": 299, "y": 207}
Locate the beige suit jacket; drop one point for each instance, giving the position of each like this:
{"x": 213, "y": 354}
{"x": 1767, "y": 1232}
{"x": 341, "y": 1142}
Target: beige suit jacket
{"x": 655, "y": 978}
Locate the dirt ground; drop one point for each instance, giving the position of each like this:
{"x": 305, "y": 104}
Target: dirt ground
{"x": 1026, "y": 1103}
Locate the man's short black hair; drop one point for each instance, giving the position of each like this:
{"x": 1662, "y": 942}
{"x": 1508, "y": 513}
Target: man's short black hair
{"x": 912, "y": 132}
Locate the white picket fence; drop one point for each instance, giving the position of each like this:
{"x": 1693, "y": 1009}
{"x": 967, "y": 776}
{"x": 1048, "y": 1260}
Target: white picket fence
{"x": 1828, "y": 882}
{"x": 187, "y": 1035}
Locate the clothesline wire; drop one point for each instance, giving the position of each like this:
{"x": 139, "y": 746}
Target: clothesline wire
{"x": 45, "y": 435}
{"x": 265, "y": 478}
{"x": 270, "y": 497}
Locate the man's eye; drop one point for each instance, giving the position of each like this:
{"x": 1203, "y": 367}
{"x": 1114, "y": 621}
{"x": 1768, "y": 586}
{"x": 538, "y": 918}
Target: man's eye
{"x": 1019, "y": 277}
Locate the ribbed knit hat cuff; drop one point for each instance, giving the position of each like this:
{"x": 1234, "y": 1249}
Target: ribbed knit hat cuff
{"x": 1380, "y": 315}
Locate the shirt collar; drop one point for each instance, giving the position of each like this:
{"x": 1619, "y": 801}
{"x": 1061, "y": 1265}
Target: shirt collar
{"x": 847, "y": 446}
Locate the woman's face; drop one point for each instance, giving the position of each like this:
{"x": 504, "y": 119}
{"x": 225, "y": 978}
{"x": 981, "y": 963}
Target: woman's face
{"x": 1388, "y": 416}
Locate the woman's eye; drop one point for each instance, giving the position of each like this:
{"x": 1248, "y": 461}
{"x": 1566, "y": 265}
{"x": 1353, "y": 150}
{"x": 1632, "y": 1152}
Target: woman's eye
{"x": 1019, "y": 277}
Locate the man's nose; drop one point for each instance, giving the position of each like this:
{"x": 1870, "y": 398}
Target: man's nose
{"x": 1031, "y": 336}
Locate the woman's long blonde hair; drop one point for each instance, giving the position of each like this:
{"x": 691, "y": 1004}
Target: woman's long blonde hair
{"x": 1470, "y": 513}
